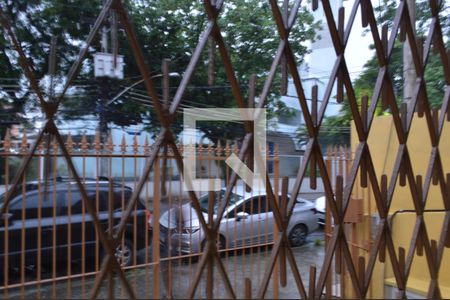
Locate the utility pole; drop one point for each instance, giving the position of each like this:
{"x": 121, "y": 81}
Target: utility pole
{"x": 106, "y": 66}
{"x": 103, "y": 98}
{"x": 251, "y": 104}
{"x": 103, "y": 124}
{"x": 51, "y": 92}
{"x": 409, "y": 72}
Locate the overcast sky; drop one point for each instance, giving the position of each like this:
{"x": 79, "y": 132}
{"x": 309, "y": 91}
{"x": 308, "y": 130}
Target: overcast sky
{"x": 357, "y": 51}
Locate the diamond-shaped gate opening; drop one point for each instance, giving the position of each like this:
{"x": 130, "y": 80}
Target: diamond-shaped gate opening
{"x": 435, "y": 226}
{"x": 419, "y": 146}
{"x": 434, "y": 200}
{"x": 445, "y": 147}
{"x": 384, "y": 146}
{"x": 418, "y": 281}
{"x": 443, "y": 275}
{"x": 401, "y": 237}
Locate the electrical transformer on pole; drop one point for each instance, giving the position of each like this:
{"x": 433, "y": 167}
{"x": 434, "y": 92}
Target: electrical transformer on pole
{"x": 106, "y": 66}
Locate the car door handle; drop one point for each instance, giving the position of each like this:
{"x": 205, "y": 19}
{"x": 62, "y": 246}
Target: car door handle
{"x": 47, "y": 229}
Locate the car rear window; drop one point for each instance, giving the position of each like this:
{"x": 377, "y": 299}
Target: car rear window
{"x": 217, "y": 195}
{"x": 100, "y": 200}
{"x": 67, "y": 196}
{"x": 18, "y": 191}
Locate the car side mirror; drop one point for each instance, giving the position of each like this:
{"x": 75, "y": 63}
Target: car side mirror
{"x": 4, "y": 217}
{"x": 241, "y": 216}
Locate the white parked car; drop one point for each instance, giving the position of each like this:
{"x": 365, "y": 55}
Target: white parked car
{"x": 248, "y": 220}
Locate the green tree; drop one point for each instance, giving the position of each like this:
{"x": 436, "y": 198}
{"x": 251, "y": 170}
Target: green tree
{"x": 250, "y": 34}
{"x": 165, "y": 29}
{"x": 34, "y": 23}
{"x": 335, "y": 129}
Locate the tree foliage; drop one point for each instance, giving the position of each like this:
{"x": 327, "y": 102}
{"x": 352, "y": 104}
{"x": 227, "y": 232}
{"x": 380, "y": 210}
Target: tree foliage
{"x": 248, "y": 30}
{"x": 34, "y": 23}
{"x": 165, "y": 29}
{"x": 336, "y": 129}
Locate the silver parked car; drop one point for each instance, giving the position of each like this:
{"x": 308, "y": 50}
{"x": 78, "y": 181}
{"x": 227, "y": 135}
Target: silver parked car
{"x": 248, "y": 220}
{"x": 320, "y": 208}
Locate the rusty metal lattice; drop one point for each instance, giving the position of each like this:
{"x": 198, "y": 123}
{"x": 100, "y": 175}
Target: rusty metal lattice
{"x": 337, "y": 198}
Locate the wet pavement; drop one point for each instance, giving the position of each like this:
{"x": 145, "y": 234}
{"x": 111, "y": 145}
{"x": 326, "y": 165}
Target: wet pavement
{"x": 239, "y": 266}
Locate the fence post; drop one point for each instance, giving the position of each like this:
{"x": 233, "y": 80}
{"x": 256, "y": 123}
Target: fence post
{"x": 276, "y": 170}
{"x": 110, "y": 232}
{"x": 210, "y": 266}
{"x": 329, "y": 283}
{"x": 248, "y": 288}
{"x": 5, "y": 271}
{"x": 156, "y": 214}
{"x": 283, "y": 210}
{"x": 312, "y": 282}
{"x": 276, "y": 179}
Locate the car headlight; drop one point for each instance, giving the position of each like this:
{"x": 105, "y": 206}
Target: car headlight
{"x": 190, "y": 230}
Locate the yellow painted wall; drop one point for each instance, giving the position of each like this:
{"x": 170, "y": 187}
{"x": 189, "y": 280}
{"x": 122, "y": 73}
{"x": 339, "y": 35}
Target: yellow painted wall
{"x": 384, "y": 147}
{"x": 402, "y": 226}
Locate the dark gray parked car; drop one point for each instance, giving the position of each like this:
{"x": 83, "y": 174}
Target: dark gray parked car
{"x": 42, "y": 219}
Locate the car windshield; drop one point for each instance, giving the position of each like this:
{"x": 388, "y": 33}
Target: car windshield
{"x": 217, "y": 195}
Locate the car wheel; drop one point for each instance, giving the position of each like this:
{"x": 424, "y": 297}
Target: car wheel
{"x": 297, "y": 236}
{"x": 124, "y": 253}
{"x": 221, "y": 243}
